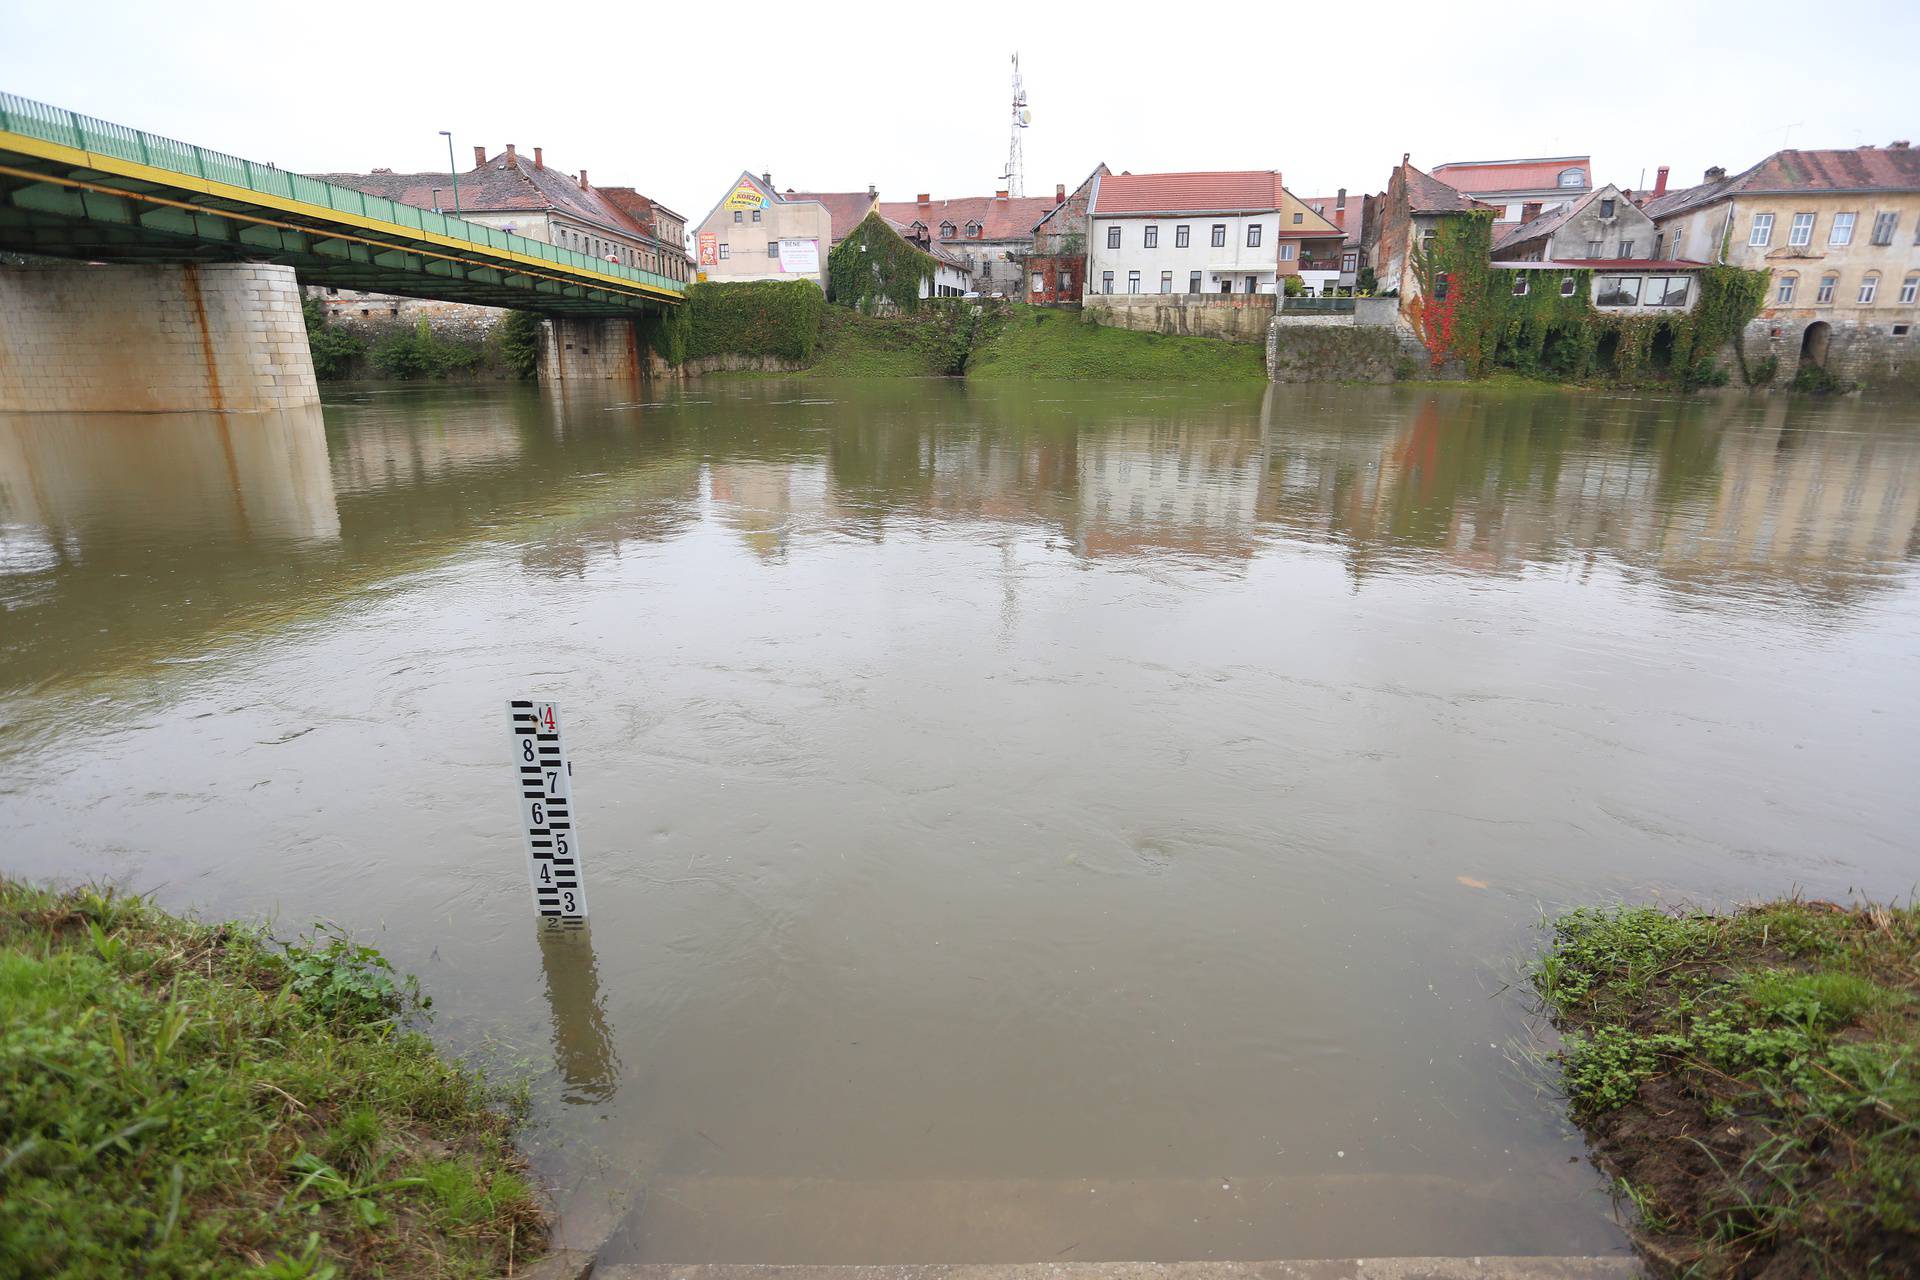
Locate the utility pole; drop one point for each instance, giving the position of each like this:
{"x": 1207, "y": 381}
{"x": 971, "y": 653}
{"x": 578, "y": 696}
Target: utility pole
{"x": 452, "y": 168}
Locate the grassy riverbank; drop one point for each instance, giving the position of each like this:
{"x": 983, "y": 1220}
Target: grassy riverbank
{"x": 1037, "y": 343}
{"x": 1750, "y": 1081}
{"x": 183, "y": 1099}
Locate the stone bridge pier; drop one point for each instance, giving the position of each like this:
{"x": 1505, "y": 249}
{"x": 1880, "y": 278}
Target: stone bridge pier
{"x": 88, "y": 338}
{"x": 593, "y": 349}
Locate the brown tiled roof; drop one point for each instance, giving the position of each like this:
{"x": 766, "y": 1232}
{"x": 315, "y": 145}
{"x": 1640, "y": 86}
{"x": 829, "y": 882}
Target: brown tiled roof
{"x": 1326, "y": 207}
{"x": 1427, "y": 194}
{"x": 844, "y": 208}
{"x": 1216, "y": 191}
{"x": 932, "y": 248}
{"x": 640, "y": 210}
{"x": 1855, "y": 169}
{"x": 1479, "y": 177}
{"x": 504, "y": 184}
{"x": 1547, "y": 223}
{"x": 1000, "y": 218}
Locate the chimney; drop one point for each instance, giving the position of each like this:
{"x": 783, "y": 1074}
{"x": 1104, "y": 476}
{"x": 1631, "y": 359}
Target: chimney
{"x": 479, "y": 156}
{"x": 1660, "y": 182}
{"x": 513, "y": 157}
{"x": 873, "y": 192}
{"x": 1899, "y": 144}
{"x": 1000, "y": 195}
{"x": 766, "y": 180}
{"x": 1340, "y": 198}
{"x": 1530, "y": 210}
{"x": 924, "y": 199}
{"x": 539, "y": 158}
{"x": 1059, "y": 193}
{"x": 1716, "y": 173}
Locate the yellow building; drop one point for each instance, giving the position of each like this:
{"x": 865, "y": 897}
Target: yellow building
{"x": 1840, "y": 233}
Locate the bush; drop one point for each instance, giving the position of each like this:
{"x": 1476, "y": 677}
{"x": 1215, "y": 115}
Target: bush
{"x": 515, "y": 343}
{"x": 1293, "y": 286}
{"x": 334, "y": 349}
{"x": 421, "y": 355}
{"x": 756, "y": 318}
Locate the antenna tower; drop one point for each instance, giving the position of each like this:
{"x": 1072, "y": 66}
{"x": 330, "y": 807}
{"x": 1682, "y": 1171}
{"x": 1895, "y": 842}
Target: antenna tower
{"x": 1016, "y": 175}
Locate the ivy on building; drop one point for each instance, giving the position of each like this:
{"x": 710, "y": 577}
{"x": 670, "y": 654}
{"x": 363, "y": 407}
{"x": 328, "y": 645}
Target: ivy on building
{"x": 753, "y": 318}
{"x": 874, "y": 269}
{"x": 1526, "y": 321}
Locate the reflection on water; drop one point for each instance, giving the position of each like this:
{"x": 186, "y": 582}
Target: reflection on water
{"x": 1030, "y": 822}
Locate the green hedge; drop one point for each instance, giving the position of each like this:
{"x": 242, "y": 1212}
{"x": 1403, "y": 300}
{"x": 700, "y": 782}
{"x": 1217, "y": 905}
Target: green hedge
{"x": 754, "y": 318}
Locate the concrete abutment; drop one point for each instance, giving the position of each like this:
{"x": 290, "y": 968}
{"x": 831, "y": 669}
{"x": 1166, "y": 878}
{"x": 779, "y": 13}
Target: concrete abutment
{"x": 593, "y": 349}
{"x": 87, "y": 338}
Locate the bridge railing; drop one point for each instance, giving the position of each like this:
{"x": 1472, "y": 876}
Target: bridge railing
{"x": 71, "y": 129}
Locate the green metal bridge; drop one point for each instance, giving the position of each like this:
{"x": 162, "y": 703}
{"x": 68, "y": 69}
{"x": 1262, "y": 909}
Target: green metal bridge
{"x": 72, "y": 186}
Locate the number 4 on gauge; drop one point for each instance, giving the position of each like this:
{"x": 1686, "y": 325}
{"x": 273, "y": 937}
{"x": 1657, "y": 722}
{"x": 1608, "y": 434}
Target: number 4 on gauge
{"x": 545, "y": 783}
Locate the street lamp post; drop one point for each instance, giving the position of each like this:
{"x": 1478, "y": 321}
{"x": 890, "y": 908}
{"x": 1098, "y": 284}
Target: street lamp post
{"x": 453, "y": 169}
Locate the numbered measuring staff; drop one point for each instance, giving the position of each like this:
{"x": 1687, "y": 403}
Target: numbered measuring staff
{"x": 546, "y": 811}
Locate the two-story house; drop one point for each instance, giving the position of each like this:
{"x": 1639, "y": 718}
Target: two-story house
{"x": 1839, "y": 231}
{"x": 1221, "y": 232}
{"x": 1602, "y": 225}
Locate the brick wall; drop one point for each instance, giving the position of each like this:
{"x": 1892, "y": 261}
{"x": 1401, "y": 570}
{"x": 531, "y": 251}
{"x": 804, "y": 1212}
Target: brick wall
{"x": 226, "y": 337}
{"x": 1237, "y": 317}
{"x": 1866, "y": 351}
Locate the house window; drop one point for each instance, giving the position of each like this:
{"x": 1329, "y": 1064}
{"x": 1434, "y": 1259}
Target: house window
{"x": 1666, "y": 291}
{"x": 1572, "y": 178}
{"x": 1606, "y": 208}
{"x": 1783, "y": 296}
{"x": 1349, "y": 261}
{"x": 1909, "y": 288}
{"x": 773, "y": 248}
{"x": 1900, "y": 330}
{"x": 1180, "y": 237}
{"x": 1226, "y": 285}
{"x": 1106, "y": 282}
{"x": 1166, "y": 282}
{"x": 1659, "y": 242}
{"x": 1299, "y": 218}
{"x": 1595, "y": 248}
{"x": 1519, "y": 284}
{"x": 1133, "y": 282}
{"x": 1884, "y": 225}
{"x": 726, "y": 251}
{"x": 1618, "y": 291}
{"x": 1113, "y": 237}
{"x": 1193, "y": 279}
{"x": 1039, "y": 283}
{"x": 1442, "y": 287}
{"x": 1286, "y": 252}
{"x": 1253, "y": 235}
{"x": 1802, "y": 233}
{"x": 1219, "y": 235}
{"x": 1626, "y": 248}
{"x": 973, "y": 229}
{"x": 1842, "y": 232}
{"x": 756, "y": 215}
{"x": 1868, "y": 289}
{"x": 1567, "y": 286}
{"x": 1827, "y": 285}
{"x": 946, "y": 231}
{"x": 737, "y": 217}
{"x": 1150, "y": 238}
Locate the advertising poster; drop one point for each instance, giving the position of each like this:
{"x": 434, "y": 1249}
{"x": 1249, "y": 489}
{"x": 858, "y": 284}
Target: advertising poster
{"x": 709, "y": 249}
{"x": 745, "y": 196}
{"x": 800, "y": 257}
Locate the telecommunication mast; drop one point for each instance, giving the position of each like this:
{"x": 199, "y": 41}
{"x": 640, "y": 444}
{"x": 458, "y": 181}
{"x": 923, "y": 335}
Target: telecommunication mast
{"x": 1016, "y": 177}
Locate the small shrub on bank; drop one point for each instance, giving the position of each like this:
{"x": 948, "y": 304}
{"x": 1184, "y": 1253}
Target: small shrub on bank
{"x": 1753, "y": 1078}
{"x": 333, "y": 348}
{"x": 420, "y": 354}
{"x": 178, "y": 1099}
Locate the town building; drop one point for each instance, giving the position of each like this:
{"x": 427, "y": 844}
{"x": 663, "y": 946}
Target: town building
{"x": 756, "y": 233}
{"x": 662, "y": 223}
{"x": 1350, "y": 217}
{"x": 1221, "y": 232}
{"x": 1617, "y": 286}
{"x": 953, "y": 273}
{"x": 1839, "y": 231}
{"x": 529, "y": 198}
{"x": 1519, "y": 190}
{"x": 994, "y": 234}
{"x": 844, "y": 208}
{"x": 1412, "y": 211}
{"x": 1604, "y": 223}
{"x": 1057, "y": 265}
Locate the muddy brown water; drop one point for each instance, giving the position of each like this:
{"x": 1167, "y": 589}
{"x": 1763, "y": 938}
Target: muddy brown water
{"x": 1069, "y": 822}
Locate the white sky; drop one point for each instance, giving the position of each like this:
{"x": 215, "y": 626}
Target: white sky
{"x": 676, "y": 101}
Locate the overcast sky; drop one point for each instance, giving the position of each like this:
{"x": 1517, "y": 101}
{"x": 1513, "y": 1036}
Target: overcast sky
{"x": 676, "y": 100}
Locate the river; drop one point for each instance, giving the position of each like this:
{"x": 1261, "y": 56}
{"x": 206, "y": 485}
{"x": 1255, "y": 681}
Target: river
{"x": 1021, "y": 822}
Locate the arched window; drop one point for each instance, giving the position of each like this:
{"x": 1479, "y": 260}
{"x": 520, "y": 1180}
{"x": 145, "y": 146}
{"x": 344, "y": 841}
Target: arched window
{"x": 1869, "y": 288}
{"x": 1909, "y": 290}
{"x": 1828, "y": 283}
{"x": 973, "y": 228}
{"x": 1783, "y": 293}
{"x": 1572, "y": 178}
{"x": 946, "y": 231}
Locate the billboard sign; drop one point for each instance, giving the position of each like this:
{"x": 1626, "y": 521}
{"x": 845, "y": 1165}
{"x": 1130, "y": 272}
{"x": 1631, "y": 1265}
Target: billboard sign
{"x": 800, "y": 257}
{"x": 709, "y": 249}
{"x": 745, "y": 196}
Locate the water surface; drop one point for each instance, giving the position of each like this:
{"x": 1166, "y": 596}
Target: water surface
{"x": 1076, "y": 822}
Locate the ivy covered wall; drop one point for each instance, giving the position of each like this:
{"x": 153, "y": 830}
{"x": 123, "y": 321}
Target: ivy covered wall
{"x": 1467, "y": 311}
{"x": 875, "y": 268}
{"x": 751, "y": 318}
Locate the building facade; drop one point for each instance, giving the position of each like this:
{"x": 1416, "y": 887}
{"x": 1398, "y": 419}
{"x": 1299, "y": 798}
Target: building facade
{"x": 1604, "y": 223}
{"x": 1412, "y": 211}
{"x": 1057, "y": 265}
{"x": 1839, "y": 233}
{"x": 1350, "y": 216}
{"x": 1519, "y": 190}
{"x": 993, "y": 234}
{"x": 1220, "y": 232}
{"x": 756, "y": 233}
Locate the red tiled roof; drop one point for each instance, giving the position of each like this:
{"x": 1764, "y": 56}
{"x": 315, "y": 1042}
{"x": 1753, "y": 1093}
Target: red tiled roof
{"x": 1479, "y": 177}
{"x": 1427, "y": 194}
{"x": 504, "y": 184}
{"x": 844, "y": 208}
{"x": 999, "y": 219}
{"x": 1856, "y": 169}
{"x": 1218, "y": 191}
{"x": 1326, "y": 207}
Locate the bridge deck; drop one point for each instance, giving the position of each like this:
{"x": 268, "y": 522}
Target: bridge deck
{"x": 72, "y": 186}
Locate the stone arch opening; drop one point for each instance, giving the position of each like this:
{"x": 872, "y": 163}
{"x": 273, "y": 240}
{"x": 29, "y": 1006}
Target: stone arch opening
{"x": 1813, "y": 344}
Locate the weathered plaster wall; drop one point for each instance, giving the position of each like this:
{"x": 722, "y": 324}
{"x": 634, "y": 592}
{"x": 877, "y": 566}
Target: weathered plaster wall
{"x": 1342, "y": 348}
{"x": 1237, "y": 317}
{"x": 593, "y": 350}
{"x": 375, "y": 315}
{"x": 1868, "y": 352}
{"x": 226, "y": 337}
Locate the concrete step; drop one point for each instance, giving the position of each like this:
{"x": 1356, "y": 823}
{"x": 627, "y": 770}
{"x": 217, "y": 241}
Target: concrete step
{"x": 999, "y": 1221}
{"x": 1485, "y": 1268}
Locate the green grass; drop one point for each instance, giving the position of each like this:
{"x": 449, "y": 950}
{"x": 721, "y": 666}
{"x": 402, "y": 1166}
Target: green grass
{"x": 1037, "y": 343}
{"x": 1750, "y": 1081}
{"x": 857, "y": 346}
{"x": 179, "y": 1099}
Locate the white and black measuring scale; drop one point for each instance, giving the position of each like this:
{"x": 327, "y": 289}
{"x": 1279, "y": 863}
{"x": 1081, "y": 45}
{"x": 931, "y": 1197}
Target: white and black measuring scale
{"x": 546, "y": 812}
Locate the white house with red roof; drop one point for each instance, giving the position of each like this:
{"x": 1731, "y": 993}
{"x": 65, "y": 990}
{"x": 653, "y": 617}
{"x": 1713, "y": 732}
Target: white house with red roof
{"x": 1218, "y": 232}
{"x": 1519, "y": 190}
